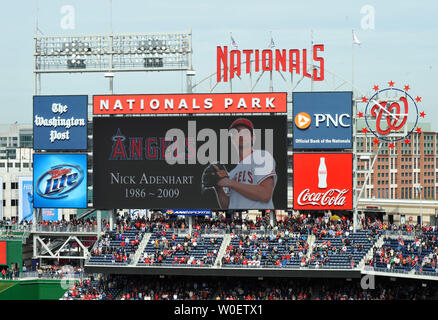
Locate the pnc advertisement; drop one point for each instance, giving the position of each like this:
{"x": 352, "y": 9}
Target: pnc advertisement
{"x": 60, "y": 180}
{"x": 323, "y": 181}
{"x": 322, "y": 120}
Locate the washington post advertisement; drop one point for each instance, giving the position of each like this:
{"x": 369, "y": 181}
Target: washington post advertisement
{"x": 200, "y": 162}
{"x": 60, "y": 180}
{"x": 322, "y": 120}
{"x": 60, "y": 122}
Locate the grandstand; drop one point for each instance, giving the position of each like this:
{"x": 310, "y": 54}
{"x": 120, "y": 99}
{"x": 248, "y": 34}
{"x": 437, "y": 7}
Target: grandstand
{"x": 299, "y": 246}
{"x": 296, "y": 255}
{"x": 133, "y": 287}
{"x": 291, "y": 248}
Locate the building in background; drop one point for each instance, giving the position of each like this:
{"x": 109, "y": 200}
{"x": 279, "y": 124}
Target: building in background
{"x": 407, "y": 171}
{"x": 16, "y": 162}
{"x": 402, "y": 184}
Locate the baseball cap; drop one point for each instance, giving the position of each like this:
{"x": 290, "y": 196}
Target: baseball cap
{"x": 242, "y": 122}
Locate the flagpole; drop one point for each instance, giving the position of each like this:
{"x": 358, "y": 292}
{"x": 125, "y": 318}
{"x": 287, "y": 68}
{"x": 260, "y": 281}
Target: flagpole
{"x": 311, "y": 55}
{"x": 271, "y": 87}
{"x": 111, "y": 16}
{"x": 352, "y": 64}
{"x": 250, "y": 73}
{"x": 355, "y": 195}
{"x": 232, "y": 46}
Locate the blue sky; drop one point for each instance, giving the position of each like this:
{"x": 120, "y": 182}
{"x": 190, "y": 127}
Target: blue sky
{"x": 402, "y": 47}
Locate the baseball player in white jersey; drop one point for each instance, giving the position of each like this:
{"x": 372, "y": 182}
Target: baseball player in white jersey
{"x": 251, "y": 183}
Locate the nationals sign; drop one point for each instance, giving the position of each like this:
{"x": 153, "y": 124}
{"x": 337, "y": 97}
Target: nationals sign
{"x": 271, "y": 102}
{"x": 323, "y": 181}
{"x": 286, "y": 60}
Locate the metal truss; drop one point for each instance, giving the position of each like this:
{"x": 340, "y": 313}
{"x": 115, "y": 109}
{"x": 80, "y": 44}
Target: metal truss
{"x": 57, "y": 247}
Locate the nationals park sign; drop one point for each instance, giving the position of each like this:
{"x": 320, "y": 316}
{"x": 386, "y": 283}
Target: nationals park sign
{"x": 272, "y": 102}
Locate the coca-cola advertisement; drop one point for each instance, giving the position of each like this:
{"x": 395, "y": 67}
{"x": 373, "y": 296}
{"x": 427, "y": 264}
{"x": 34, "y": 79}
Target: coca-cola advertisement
{"x": 323, "y": 181}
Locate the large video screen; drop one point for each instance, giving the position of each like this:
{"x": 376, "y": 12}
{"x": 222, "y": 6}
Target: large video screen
{"x": 201, "y": 162}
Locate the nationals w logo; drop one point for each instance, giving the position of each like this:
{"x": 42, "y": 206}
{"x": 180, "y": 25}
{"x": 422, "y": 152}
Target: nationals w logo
{"x": 394, "y": 121}
{"x": 391, "y": 114}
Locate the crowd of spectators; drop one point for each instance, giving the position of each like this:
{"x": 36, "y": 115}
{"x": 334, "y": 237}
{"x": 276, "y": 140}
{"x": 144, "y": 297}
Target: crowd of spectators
{"x": 81, "y": 225}
{"x": 401, "y": 256}
{"x": 8, "y": 226}
{"x": 204, "y": 288}
{"x": 409, "y": 254}
{"x": 431, "y": 259}
{"x": 180, "y": 249}
{"x": 120, "y": 244}
{"x": 7, "y": 274}
{"x": 264, "y": 250}
{"x": 258, "y": 240}
{"x": 218, "y": 224}
{"x": 88, "y": 289}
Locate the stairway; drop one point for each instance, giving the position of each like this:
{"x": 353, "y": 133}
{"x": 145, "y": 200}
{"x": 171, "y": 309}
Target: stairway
{"x": 369, "y": 254}
{"x": 141, "y": 248}
{"x": 310, "y": 241}
{"x": 222, "y": 250}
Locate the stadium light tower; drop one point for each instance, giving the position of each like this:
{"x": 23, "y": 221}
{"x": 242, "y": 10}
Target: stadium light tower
{"x": 113, "y": 53}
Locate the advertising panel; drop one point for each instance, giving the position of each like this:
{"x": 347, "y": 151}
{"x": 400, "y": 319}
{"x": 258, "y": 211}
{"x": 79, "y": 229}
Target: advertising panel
{"x": 322, "y": 120}
{"x": 323, "y": 181}
{"x": 60, "y": 122}
{"x": 50, "y": 214}
{"x": 60, "y": 180}
{"x": 205, "y": 212}
{"x": 271, "y": 102}
{"x": 208, "y": 162}
{"x": 1, "y": 198}
{"x": 3, "y": 253}
{"x": 25, "y": 199}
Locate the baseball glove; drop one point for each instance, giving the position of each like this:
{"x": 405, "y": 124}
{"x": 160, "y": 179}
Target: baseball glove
{"x": 212, "y": 174}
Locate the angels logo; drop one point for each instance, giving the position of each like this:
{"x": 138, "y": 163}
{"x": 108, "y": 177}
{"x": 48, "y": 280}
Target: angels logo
{"x": 391, "y": 114}
{"x": 59, "y": 180}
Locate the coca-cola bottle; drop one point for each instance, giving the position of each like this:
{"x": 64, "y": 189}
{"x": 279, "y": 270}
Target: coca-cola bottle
{"x": 322, "y": 174}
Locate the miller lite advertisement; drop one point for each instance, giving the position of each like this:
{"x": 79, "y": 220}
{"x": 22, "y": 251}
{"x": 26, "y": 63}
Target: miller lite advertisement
{"x": 201, "y": 162}
{"x": 323, "y": 181}
{"x": 60, "y": 180}
{"x": 322, "y": 120}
